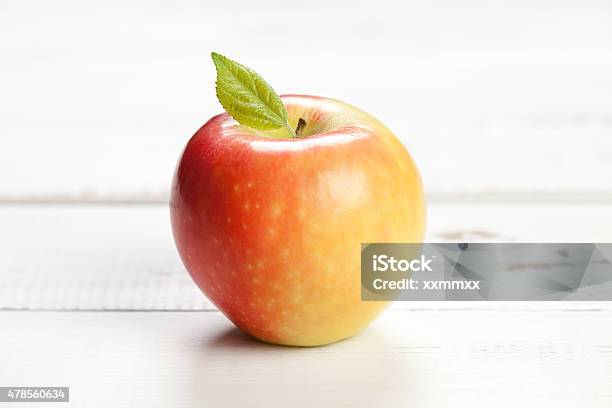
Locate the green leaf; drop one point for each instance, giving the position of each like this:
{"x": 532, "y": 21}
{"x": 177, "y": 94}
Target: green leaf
{"x": 247, "y": 97}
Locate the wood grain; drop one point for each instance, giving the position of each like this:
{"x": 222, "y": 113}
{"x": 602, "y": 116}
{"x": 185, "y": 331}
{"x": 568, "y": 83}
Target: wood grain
{"x": 122, "y": 257}
{"x": 424, "y": 359}
{"x": 98, "y": 100}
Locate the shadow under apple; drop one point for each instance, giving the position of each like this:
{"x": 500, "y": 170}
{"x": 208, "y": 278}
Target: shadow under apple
{"x": 235, "y": 369}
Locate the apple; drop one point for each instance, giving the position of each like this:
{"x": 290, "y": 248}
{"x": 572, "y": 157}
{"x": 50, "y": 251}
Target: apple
{"x": 270, "y": 227}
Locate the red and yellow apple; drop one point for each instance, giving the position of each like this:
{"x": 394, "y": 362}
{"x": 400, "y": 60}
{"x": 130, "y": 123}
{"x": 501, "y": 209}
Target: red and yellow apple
{"x": 270, "y": 227}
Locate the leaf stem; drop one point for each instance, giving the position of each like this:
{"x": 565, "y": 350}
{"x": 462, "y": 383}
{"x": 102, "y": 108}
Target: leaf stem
{"x": 291, "y": 131}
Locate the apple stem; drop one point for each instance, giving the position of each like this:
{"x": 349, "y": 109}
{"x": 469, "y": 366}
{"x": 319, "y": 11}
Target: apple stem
{"x": 300, "y": 127}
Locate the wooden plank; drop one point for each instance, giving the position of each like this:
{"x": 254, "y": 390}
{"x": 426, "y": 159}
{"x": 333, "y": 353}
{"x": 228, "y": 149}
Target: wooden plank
{"x": 519, "y": 222}
{"x": 122, "y": 257}
{"x": 425, "y": 359}
{"x": 92, "y": 112}
{"x": 92, "y": 257}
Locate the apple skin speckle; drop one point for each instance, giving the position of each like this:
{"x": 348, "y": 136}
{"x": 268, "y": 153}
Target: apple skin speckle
{"x": 270, "y": 229}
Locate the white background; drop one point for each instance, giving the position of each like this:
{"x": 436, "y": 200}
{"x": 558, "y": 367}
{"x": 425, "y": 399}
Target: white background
{"x": 491, "y": 97}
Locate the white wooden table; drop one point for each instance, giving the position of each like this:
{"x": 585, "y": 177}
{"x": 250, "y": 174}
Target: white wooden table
{"x": 94, "y": 297}
{"x": 506, "y": 108}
